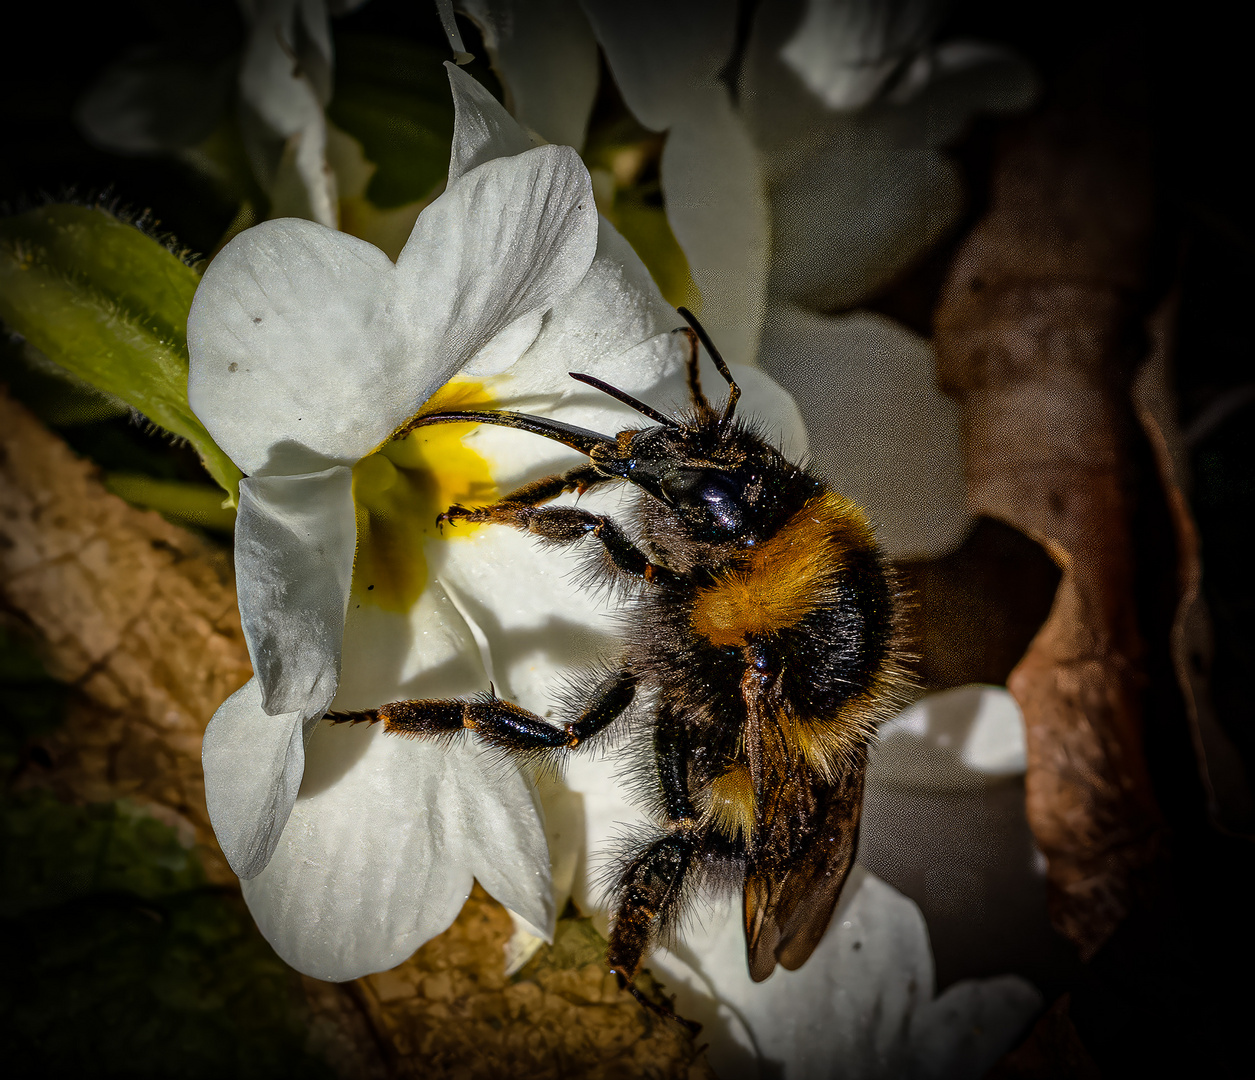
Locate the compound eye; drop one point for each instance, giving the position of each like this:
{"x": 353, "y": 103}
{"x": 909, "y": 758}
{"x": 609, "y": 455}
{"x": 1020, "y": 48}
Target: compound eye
{"x": 718, "y": 494}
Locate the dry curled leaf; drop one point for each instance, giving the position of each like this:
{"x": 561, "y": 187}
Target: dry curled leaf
{"x": 1039, "y": 328}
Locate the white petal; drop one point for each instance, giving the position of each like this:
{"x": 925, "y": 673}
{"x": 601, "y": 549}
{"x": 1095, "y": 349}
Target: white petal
{"x": 661, "y": 52}
{"x": 856, "y": 198}
{"x": 968, "y": 1028}
{"x": 299, "y": 358}
{"x": 506, "y": 240}
{"x": 1004, "y": 81}
{"x": 880, "y": 430}
{"x": 285, "y": 79}
{"x": 717, "y": 205}
{"x": 854, "y": 214}
{"x": 846, "y": 1004}
{"x": 545, "y": 54}
{"x": 846, "y": 50}
{"x": 381, "y": 848}
{"x": 538, "y": 621}
{"x": 852, "y": 1002}
{"x": 958, "y": 841}
{"x": 253, "y": 765}
{"x": 155, "y": 100}
{"x": 861, "y": 1006}
{"x": 954, "y": 741}
{"x": 294, "y": 543}
{"x": 281, "y": 98}
{"x": 667, "y": 60}
{"x": 293, "y": 341}
{"x": 425, "y": 652}
{"x": 614, "y": 324}
{"x": 482, "y": 129}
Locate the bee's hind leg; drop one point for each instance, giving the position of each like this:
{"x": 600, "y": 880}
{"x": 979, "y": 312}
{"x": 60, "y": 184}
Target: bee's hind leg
{"x": 649, "y": 894}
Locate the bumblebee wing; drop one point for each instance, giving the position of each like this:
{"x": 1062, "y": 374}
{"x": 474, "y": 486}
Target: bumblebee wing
{"x": 788, "y": 910}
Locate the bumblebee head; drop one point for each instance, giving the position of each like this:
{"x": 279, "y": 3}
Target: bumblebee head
{"x": 704, "y": 477}
{"x": 720, "y": 479}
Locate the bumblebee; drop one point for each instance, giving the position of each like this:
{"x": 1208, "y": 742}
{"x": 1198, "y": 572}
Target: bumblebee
{"x": 760, "y": 652}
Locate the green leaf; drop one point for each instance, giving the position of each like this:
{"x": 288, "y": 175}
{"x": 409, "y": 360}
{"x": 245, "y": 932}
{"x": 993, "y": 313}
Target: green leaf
{"x": 393, "y": 97}
{"x": 109, "y": 304}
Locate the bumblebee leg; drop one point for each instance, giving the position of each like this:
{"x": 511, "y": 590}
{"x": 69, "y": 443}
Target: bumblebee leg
{"x": 498, "y": 722}
{"x": 608, "y": 702}
{"x": 648, "y": 897}
{"x": 671, "y": 754}
{"x": 582, "y": 478}
{"x": 567, "y": 525}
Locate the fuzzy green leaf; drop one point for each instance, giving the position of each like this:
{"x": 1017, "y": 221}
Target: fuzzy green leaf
{"x": 109, "y": 304}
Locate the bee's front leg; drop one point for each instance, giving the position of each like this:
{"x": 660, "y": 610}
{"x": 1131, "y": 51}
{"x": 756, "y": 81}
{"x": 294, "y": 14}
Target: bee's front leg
{"x": 582, "y": 478}
{"x": 563, "y": 525}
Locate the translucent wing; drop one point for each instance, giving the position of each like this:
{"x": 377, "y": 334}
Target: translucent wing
{"x": 789, "y": 900}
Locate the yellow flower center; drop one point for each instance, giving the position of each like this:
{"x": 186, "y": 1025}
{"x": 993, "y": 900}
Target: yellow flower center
{"x": 401, "y": 488}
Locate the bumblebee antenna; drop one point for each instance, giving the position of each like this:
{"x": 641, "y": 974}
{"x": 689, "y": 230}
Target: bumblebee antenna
{"x": 734, "y": 391}
{"x": 577, "y": 438}
{"x": 626, "y": 398}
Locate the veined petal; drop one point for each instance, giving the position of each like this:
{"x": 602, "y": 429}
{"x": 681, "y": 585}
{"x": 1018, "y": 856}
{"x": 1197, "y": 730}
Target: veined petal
{"x": 294, "y": 541}
{"x": 506, "y": 240}
{"x": 881, "y": 431}
{"x": 299, "y": 356}
{"x": 293, "y": 339}
{"x": 431, "y": 652}
{"x": 614, "y": 324}
{"x": 545, "y": 54}
{"x": 253, "y": 764}
{"x": 482, "y": 129}
{"x": 381, "y": 848}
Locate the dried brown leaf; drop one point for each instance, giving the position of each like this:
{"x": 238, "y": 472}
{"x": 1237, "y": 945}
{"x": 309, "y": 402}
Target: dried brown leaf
{"x": 1038, "y": 331}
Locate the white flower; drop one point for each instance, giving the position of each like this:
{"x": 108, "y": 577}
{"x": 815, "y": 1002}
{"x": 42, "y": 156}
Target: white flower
{"x": 309, "y": 347}
{"x": 155, "y": 100}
